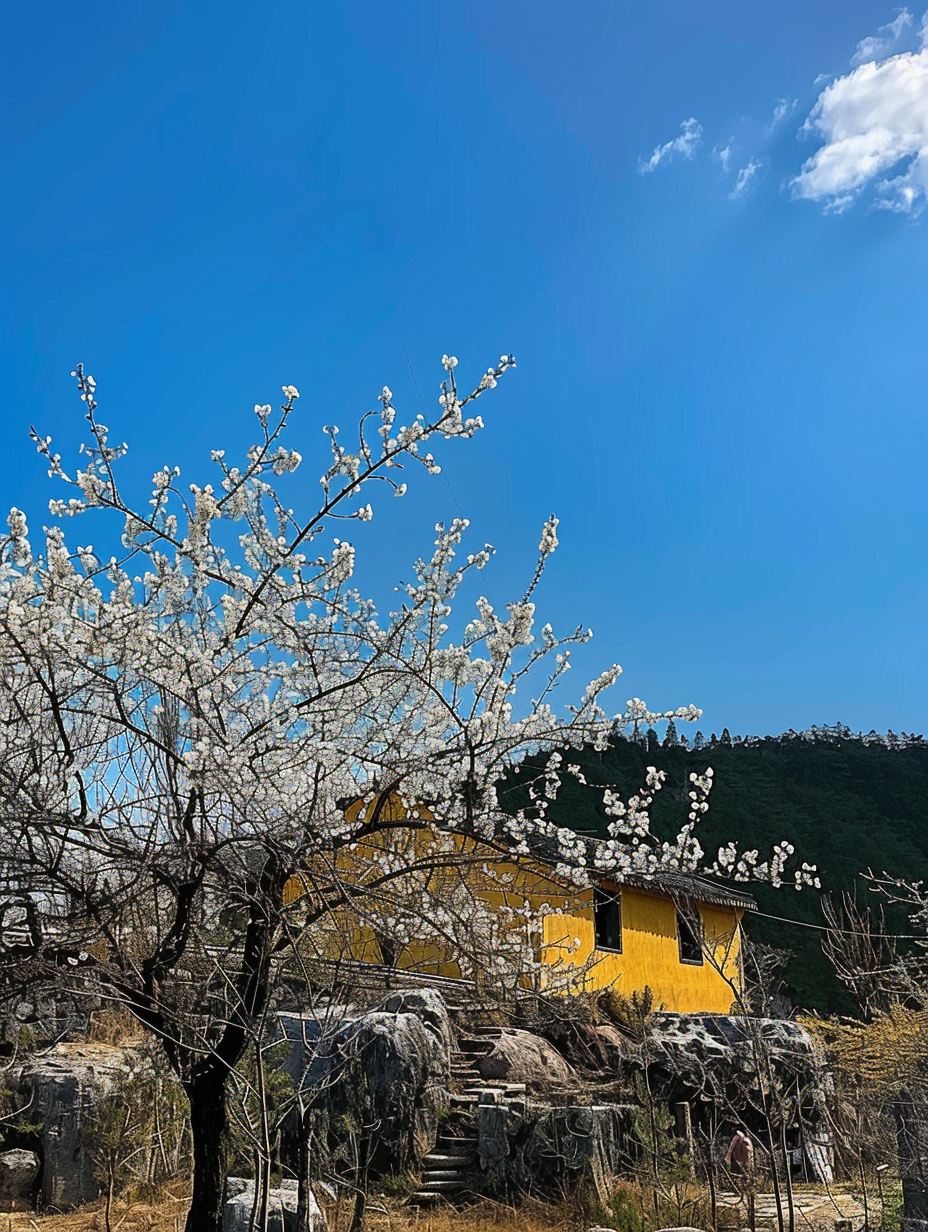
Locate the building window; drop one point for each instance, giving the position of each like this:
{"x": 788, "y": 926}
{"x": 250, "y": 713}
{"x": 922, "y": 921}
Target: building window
{"x": 689, "y": 937}
{"x": 607, "y": 920}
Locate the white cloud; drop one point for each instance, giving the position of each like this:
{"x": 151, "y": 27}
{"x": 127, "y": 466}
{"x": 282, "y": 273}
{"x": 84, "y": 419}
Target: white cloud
{"x": 887, "y": 38}
{"x": 745, "y": 178}
{"x": 873, "y": 123}
{"x": 723, "y": 153}
{"x": 784, "y": 107}
{"x": 686, "y": 145}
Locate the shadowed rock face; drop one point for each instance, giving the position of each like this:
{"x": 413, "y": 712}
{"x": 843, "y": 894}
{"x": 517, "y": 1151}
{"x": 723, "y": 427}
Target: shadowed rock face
{"x": 19, "y": 1171}
{"x": 388, "y": 1068}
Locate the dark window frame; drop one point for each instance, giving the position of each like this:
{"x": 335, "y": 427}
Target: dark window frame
{"x": 689, "y": 937}
{"x": 607, "y": 920}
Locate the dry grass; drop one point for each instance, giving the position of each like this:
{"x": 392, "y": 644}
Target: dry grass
{"x": 167, "y": 1212}
{"x": 114, "y": 1025}
{"x": 485, "y": 1217}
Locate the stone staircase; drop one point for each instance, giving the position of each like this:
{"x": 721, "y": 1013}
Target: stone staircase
{"x": 449, "y": 1169}
{"x": 470, "y": 1050}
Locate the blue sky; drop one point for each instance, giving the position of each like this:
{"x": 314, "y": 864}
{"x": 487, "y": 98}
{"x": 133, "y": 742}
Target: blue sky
{"x": 719, "y": 391}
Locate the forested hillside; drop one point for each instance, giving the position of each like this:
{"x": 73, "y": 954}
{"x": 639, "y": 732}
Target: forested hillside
{"x": 848, "y": 802}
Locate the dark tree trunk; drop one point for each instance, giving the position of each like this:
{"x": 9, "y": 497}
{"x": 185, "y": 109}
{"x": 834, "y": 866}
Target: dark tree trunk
{"x": 208, "y": 1126}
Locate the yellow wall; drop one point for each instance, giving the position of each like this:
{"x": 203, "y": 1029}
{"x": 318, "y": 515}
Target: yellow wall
{"x": 650, "y": 953}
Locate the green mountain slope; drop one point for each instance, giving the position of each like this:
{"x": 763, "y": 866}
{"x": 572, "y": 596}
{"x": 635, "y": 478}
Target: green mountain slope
{"x": 848, "y": 803}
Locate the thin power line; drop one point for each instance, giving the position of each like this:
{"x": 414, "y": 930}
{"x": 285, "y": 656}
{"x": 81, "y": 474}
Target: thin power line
{"x": 848, "y": 932}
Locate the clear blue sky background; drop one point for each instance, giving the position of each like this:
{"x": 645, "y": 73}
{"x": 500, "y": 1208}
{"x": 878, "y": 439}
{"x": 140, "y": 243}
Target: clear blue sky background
{"x": 722, "y": 397}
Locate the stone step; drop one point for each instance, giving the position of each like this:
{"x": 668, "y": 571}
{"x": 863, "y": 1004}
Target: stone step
{"x": 440, "y": 1159}
{"x": 484, "y": 1084}
{"x": 455, "y": 1142}
{"x": 462, "y": 1099}
{"x": 423, "y": 1197}
{"x": 430, "y": 1186}
{"x": 441, "y": 1174}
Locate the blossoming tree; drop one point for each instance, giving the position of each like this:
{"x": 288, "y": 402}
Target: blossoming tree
{"x": 181, "y": 723}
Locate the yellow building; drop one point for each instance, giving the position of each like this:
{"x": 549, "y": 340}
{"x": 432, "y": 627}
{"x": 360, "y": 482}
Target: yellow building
{"x": 501, "y": 920}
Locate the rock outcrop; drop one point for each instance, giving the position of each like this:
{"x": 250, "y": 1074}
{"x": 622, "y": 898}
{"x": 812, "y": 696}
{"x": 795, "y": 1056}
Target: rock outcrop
{"x": 564, "y": 1145}
{"x": 720, "y": 1058}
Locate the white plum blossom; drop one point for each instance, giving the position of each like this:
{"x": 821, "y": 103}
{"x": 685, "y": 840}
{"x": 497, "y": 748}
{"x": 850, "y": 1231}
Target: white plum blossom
{"x": 548, "y": 542}
{"x": 222, "y": 685}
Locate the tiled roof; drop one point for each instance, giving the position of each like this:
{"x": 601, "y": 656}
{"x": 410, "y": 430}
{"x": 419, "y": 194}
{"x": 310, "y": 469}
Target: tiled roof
{"x": 670, "y": 882}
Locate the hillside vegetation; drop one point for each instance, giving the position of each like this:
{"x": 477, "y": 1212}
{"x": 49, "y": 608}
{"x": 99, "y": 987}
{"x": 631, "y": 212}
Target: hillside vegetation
{"x": 848, "y": 802}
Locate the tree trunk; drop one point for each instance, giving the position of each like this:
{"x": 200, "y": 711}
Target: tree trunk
{"x": 208, "y": 1125}
{"x": 304, "y": 1172}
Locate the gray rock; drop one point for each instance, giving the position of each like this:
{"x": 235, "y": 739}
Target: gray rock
{"x": 427, "y": 1004}
{"x": 389, "y": 1068}
{"x": 61, "y": 1088}
{"x": 519, "y": 1056}
{"x": 612, "y": 1039}
{"x": 19, "y": 1171}
{"x": 282, "y": 1208}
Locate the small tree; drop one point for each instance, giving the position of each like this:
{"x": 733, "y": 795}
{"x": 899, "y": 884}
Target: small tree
{"x": 121, "y": 1135}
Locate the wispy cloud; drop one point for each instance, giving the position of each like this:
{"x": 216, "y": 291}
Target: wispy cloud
{"x": 886, "y": 40}
{"x": 783, "y": 109}
{"x": 724, "y": 154}
{"x": 685, "y": 145}
{"x": 745, "y": 178}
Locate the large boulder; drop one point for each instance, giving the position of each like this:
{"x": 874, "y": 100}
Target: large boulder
{"x": 386, "y": 1071}
{"x": 19, "y": 1171}
{"x": 719, "y": 1047}
{"x": 561, "y": 1146}
{"x": 283, "y": 1203}
{"x": 59, "y": 1090}
{"x": 520, "y": 1057}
